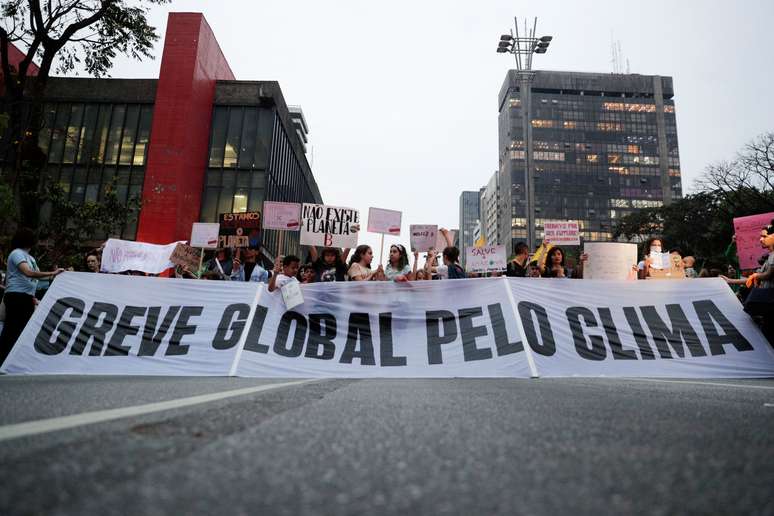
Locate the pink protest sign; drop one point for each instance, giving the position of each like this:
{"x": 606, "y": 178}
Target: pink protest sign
{"x": 282, "y": 215}
{"x": 748, "y": 238}
{"x": 562, "y": 232}
{"x": 382, "y": 221}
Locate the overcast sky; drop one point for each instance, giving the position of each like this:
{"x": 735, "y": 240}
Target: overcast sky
{"x": 401, "y": 97}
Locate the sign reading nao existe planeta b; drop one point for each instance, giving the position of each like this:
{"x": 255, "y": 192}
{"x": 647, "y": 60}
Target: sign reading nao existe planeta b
{"x": 240, "y": 229}
{"x": 328, "y": 226}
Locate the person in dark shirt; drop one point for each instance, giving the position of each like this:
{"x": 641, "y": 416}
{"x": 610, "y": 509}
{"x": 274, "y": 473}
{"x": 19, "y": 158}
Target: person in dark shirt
{"x": 330, "y": 265}
{"x": 519, "y": 265}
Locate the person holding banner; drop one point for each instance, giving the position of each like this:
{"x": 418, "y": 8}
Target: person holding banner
{"x": 285, "y": 271}
{"x": 92, "y": 262}
{"x": 249, "y": 270}
{"x": 360, "y": 266}
{"x": 398, "y": 268}
{"x": 454, "y": 270}
{"x": 20, "y": 283}
{"x": 331, "y": 266}
{"x": 652, "y": 245}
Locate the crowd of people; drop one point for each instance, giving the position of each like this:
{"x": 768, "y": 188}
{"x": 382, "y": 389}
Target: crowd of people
{"x": 21, "y": 292}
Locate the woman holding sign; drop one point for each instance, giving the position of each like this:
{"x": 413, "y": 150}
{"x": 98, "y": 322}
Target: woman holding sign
{"x": 652, "y": 246}
{"x": 360, "y": 266}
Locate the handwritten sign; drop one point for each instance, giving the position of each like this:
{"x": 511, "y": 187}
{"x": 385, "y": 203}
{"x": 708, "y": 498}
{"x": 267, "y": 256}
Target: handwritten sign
{"x": 240, "y": 229}
{"x": 423, "y": 237}
{"x": 186, "y": 256}
{"x": 748, "y": 238}
{"x": 205, "y": 235}
{"x": 125, "y": 255}
{"x": 485, "y": 259}
{"x": 609, "y": 260}
{"x": 328, "y": 226}
{"x": 382, "y": 221}
{"x": 285, "y": 216}
{"x": 562, "y": 232}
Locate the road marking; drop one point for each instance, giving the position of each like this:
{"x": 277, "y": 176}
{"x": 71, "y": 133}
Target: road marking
{"x": 42, "y": 426}
{"x": 768, "y": 404}
{"x": 765, "y": 387}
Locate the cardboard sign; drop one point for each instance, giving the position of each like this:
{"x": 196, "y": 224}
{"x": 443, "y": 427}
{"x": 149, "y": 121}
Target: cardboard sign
{"x": 748, "y": 238}
{"x": 186, "y": 257}
{"x": 125, "y": 255}
{"x": 382, "y": 221}
{"x": 205, "y": 235}
{"x": 485, "y": 259}
{"x": 240, "y": 229}
{"x": 423, "y": 237}
{"x": 285, "y": 216}
{"x": 671, "y": 268}
{"x": 328, "y": 226}
{"x": 609, "y": 260}
{"x": 562, "y": 232}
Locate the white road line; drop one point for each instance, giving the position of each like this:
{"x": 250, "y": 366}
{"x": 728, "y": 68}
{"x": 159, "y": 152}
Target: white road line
{"x": 765, "y": 387}
{"x": 100, "y": 416}
{"x": 768, "y": 404}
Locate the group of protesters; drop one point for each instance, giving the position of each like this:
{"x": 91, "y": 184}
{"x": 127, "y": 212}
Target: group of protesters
{"x": 19, "y": 299}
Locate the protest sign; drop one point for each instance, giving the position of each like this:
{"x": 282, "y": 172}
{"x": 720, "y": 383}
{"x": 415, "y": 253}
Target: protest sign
{"x": 204, "y": 235}
{"x": 562, "y": 232}
{"x": 386, "y": 222}
{"x": 423, "y": 237}
{"x": 485, "y": 259}
{"x": 186, "y": 256}
{"x": 125, "y": 255}
{"x": 285, "y": 216}
{"x": 497, "y": 327}
{"x": 328, "y": 226}
{"x": 291, "y": 294}
{"x": 609, "y": 260}
{"x": 748, "y": 238}
{"x": 240, "y": 229}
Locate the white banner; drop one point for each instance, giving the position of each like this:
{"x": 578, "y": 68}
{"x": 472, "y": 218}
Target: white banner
{"x": 125, "y": 255}
{"x": 108, "y": 324}
{"x": 485, "y": 259}
{"x": 328, "y": 226}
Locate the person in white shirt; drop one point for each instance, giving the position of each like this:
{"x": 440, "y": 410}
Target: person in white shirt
{"x": 285, "y": 271}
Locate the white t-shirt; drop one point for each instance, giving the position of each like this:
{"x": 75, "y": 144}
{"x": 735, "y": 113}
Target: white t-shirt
{"x": 283, "y": 280}
{"x": 442, "y": 271}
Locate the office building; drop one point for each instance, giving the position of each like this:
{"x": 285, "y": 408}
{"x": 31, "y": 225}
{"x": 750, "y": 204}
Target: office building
{"x": 469, "y": 218}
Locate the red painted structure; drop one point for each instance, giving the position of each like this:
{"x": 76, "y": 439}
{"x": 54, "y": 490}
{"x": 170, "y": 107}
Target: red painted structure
{"x": 177, "y": 152}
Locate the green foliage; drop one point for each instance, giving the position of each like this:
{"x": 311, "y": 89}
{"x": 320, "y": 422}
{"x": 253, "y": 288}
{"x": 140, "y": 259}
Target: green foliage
{"x": 72, "y": 227}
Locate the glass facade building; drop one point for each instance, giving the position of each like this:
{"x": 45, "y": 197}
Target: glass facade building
{"x": 469, "y": 220}
{"x": 603, "y": 146}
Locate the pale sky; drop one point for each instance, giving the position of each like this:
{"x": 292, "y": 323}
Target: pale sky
{"x": 401, "y": 97}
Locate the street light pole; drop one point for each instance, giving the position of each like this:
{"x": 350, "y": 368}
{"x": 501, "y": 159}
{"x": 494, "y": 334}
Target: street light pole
{"x": 523, "y": 47}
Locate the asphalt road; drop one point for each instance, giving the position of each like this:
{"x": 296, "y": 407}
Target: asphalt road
{"x": 468, "y": 447}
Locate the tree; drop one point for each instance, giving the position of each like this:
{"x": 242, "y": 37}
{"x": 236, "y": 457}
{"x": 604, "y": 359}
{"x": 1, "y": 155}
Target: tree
{"x": 65, "y": 36}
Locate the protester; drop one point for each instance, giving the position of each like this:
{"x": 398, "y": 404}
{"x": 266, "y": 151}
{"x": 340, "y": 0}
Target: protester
{"x": 689, "y": 262}
{"x": 554, "y": 265}
{"x": 306, "y": 274}
{"x": 285, "y": 272}
{"x": 450, "y": 257}
{"x": 222, "y": 262}
{"x": 249, "y": 270}
{"x": 518, "y": 266}
{"x": 21, "y": 281}
{"x": 398, "y": 268}
{"x": 331, "y": 266}
{"x": 92, "y": 262}
{"x": 652, "y": 245}
{"x": 360, "y": 266}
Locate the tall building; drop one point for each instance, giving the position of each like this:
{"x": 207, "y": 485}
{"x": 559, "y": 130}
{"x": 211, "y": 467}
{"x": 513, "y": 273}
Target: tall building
{"x": 190, "y": 145}
{"x": 489, "y": 204}
{"x": 603, "y": 146}
{"x": 469, "y": 218}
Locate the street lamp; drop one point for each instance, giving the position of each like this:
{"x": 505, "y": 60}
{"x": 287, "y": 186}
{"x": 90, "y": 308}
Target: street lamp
{"x": 522, "y": 46}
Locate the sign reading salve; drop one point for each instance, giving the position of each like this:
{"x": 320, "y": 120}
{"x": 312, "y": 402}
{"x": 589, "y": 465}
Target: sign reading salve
{"x": 562, "y": 232}
{"x": 488, "y": 258}
{"x": 284, "y": 216}
{"x": 240, "y": 229}
{"x": 205, "y": 235}
{"x": 423, "y": 237}
{"x": 329, "y": 226}
{"x": 382, "y": 221}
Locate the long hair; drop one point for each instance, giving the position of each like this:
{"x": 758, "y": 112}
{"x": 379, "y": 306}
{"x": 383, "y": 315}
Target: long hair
{"x": 402, "y": 256}
{"x": 548, "y": 263}
{"x": 649, "y": 243}
{"x": 358, "y": 254}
